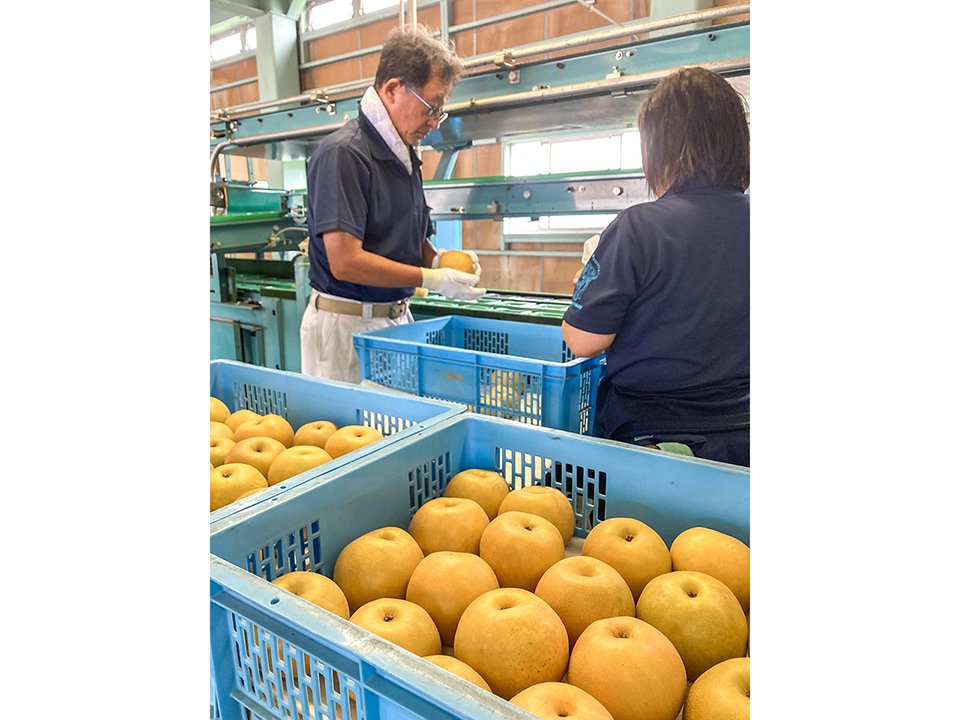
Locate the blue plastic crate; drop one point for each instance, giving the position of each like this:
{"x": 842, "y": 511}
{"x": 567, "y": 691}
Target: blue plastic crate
{"x": 514, "y": 370}
{"x": 301, "y": 399}
{"x": 307, "y": 527}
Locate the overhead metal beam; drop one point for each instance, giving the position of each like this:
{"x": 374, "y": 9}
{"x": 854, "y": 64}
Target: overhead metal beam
{"x": 229, "y": 24}
{"x": 227, "y": 8}
{"x": 296, "y": 9}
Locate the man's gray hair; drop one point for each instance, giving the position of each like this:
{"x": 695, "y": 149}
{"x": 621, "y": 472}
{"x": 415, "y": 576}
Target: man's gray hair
{"x": 413, "y": 55}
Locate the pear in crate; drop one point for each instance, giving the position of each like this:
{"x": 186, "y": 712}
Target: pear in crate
{"x": 350, "y": 438}
{"x": 556, "y": 701}
{"x": 699, "y": 614}
{"x": 228, "y": 482}
{"x": 272, "y": 426}
{"x": 315, "y": 433}
{"x": 485, "y": 487}
{"x": 520, "y": 547}
{"x": 631, "y": 668}
{"x": 260, "y": 452}
{"x": 632, "y": 548}
{"x": 448, "y": 523}
{"x": 401, "y": 622}
{"x": 295, "y": 460}
{"x": 238, "y": 417}
{"x": 513, "y": 639}
{"x": 722, "y": 692}
{"x": 547, "y": 502}
{"x": 377, "y": 564}
{"x": 445, "y": 583}
{"x": 219, "y": 412}
{"x": 717, "y": 554}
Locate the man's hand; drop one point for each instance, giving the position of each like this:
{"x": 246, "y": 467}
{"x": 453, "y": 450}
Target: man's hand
{"x": 451, "y": 283}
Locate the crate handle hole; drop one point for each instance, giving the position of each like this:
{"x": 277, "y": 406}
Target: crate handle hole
{"x": 274, "y": 601}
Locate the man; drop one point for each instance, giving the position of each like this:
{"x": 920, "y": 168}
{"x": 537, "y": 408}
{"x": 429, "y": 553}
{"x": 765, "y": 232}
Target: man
{"x": 366, "y": 213}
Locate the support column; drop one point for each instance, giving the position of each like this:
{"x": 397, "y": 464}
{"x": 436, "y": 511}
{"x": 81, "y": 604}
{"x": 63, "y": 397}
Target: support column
{"x": 278, "y": 76}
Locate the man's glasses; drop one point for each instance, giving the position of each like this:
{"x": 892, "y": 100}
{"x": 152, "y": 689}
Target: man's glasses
{"x": 432, "y": 111}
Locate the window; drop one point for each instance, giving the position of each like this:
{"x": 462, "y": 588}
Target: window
{"x": 234, "y": 43}
{"x": 329, "y": 12}
{"x": 568, "y": 155}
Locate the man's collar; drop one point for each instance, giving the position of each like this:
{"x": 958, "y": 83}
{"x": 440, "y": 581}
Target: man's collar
{"x": 374, "y": 110}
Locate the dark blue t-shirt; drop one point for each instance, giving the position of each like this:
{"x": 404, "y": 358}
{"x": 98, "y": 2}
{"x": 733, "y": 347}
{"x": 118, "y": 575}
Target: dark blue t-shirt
{"x": 672, "y": 279}
{"x": 356, "y": 184}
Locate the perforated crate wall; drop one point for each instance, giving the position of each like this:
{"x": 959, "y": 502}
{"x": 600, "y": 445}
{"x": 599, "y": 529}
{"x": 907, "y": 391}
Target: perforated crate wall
{"x": 517, "y": 371}
{"x": 301, "y": 399}
{"x": 306, "y": 528}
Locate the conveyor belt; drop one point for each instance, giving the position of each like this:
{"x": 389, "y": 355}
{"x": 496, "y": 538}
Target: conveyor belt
{"x": 534, "y": 308}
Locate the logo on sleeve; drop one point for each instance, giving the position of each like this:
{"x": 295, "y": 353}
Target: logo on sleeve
{"x": 591, "y": 271}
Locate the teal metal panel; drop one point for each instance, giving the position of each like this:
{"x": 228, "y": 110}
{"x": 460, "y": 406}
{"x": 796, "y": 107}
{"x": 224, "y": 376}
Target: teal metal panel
{"x": 225, "y": 340}
{"x": 261, "y": 329}
{"x": 245, "y": 199}
{"x": 226, "y": 233}
{"x": 535, "y": 196}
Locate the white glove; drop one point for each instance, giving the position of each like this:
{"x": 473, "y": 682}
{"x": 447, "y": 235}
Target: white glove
{"x": 452, "y": 283}
{"x": 589, "y": 248}
{"x": 471, "y": 253}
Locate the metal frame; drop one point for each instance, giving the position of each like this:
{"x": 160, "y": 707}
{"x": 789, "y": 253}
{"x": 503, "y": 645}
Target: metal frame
{"x": 477, "y": 100}
{"x": 567, "y": 194}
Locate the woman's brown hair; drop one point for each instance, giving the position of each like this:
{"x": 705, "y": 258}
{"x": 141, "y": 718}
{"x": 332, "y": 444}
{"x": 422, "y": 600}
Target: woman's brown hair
{"x": 693, "y": 131}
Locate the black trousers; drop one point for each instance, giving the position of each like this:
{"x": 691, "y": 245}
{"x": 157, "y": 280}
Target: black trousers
{"x": 729, "y": 446}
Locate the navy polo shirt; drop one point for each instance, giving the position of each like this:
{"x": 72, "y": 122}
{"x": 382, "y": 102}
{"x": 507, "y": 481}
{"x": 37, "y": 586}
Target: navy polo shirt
{"x": 356, "y": 184}
{"x": 672, "y": 279}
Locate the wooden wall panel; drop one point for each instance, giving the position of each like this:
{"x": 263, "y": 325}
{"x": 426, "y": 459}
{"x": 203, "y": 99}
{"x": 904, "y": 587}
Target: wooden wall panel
{"x": 469, "y": 235}
{"x": 375, "y": 33}
{"x": 368, "y": 66}
{"x": 332, "y": 45}
{"x": 235, "y": 96}
{"x": 558, "y": 273}
{"x": 511, "y": 272}
{"x": 466, "y": 165}
{"x": 234, "y": 71}
{"x": 489, "y": 234}
{"x": 332, "y": 74}
{"x": 576, "y": 18}
{"x": 488, "y": 160}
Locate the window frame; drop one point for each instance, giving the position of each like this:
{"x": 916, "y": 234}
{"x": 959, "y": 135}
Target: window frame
{"x": 241, "y": 31}
{"x": 551, "y": 234}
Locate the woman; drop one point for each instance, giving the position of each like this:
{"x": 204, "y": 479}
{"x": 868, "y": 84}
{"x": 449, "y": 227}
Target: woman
{"x": 667, "y": 292}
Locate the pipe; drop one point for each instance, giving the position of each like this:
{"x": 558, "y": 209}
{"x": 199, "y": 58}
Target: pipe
{"x": 611, "y": 34}
{"x": 626, "y": 82}
{"x": 236, "y": 83}
{"x": 592, "y": 87}
{"x": 265, "y": 138}
{"x": 224, "y": 113}
{"x": 490, "y": 58}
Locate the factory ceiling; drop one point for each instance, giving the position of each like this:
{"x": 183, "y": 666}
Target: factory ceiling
{"x": 228, "y": 14}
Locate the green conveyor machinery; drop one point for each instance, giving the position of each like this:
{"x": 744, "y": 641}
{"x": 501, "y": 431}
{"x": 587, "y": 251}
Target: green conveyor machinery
{"x": 255, "y": 215}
